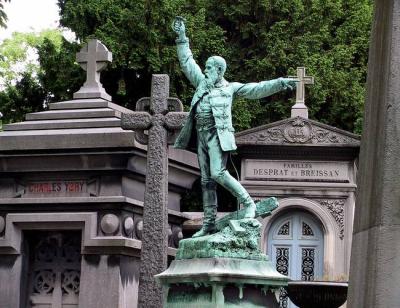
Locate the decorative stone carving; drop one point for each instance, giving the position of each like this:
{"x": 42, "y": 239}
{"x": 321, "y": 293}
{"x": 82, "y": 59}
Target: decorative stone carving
{"x": 139, "y": 229}
{"x": 175, "y": 237}
{"x": 336, "y": 208}
{"x": 296, "y": 131}
{"x": 109, "y": 224}
{"x": 128, "y": 226}
{"x": 55, "y": 270}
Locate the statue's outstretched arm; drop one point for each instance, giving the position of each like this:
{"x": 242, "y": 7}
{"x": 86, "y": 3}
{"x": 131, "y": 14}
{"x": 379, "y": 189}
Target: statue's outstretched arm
{"x": 257, "y": 90}
{"x": 188, "y": 64}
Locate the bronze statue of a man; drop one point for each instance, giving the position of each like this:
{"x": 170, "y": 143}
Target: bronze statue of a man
{"x": 210, "y": 118}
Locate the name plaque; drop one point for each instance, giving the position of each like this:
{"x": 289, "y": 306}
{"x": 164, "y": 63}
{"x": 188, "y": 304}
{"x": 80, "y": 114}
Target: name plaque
{"x": 56, "y": 188}
{"x": 282, "y": 170}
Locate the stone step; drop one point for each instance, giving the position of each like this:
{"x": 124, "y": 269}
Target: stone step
{"x": 73, "y": 114}
{"x": 86, "y": 104}
{"x": 63, "y": 124}
{"x": 80, "y": 104}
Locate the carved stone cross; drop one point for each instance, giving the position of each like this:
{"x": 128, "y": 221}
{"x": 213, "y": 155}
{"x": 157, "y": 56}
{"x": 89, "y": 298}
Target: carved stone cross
{"x": 300, "y": 109}
{"x": 93, "y": 58}
{"x": 161, "y": 126}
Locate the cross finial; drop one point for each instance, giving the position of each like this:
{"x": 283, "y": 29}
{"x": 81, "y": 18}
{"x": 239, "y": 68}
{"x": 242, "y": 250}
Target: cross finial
{"x": 300, "y": 109}
{"x": 93, "y": 58}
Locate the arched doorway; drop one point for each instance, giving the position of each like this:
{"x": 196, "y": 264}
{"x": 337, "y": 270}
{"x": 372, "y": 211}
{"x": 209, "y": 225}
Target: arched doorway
{"x": 296, "y": 247}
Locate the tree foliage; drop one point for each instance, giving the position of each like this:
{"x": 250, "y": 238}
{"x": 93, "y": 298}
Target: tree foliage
{"x": 261, "y": 39}
{"x": 35, "y": 69}
{"x": 3, "y": 15}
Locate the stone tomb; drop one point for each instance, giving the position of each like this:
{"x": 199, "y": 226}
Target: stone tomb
{"x": 71, "y": 204}
{"x": 311, "y": 168}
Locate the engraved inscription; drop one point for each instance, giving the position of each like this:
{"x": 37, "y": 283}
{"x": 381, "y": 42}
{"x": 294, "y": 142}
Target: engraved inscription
{"x": 56, "y": 187}
{"x": 59, "y": 188}
{"x": 296, "y": 171}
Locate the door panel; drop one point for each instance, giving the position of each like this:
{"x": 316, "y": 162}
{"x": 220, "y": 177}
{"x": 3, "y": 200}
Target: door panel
{"x": 295, "y": 244}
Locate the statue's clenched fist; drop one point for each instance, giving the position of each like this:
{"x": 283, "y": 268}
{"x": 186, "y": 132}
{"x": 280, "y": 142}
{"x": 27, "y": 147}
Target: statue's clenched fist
{"x": 179, "y": 26}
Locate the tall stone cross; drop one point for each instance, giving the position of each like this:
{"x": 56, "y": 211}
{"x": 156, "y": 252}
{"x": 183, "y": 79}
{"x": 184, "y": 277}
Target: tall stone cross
{"x": 93, "y": 58}
{"x": 300, "y": 109}
{"x": 162, "y": 126}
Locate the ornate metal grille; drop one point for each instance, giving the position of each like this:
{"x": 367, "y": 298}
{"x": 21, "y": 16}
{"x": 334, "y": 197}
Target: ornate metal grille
{"x": 306, "y": 230}
{"x": 282, "y": 266}
{"x": 307, "y": 264}
{"x": 54, "y": 275}
{"x": 285, "y": 229}
{"x": 282, "y": 260}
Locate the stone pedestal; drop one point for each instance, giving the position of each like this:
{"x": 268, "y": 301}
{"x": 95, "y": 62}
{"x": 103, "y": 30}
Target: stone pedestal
{"x": 221, "y": 282}
{"x": 225, "y": 269}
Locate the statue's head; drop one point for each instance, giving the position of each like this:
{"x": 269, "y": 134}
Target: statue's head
{"x": 215, "y": 69}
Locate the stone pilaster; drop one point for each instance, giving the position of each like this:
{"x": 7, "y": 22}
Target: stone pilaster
{"x": 375, "y": 260}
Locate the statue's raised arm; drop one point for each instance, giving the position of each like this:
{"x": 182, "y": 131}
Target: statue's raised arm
{"x": 189, "y": 66}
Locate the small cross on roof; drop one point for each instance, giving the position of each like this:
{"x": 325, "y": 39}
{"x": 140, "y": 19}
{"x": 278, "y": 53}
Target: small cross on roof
{"x": 93, "y": 58}
{"x": 300, "y": 109}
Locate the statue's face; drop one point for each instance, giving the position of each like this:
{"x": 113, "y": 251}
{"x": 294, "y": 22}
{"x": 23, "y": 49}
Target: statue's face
{"x": 212, "y": 72}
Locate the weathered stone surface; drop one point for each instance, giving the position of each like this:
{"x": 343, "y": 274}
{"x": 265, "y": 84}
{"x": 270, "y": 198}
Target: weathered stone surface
{"x": 63, "y": 124}
{"x": 109, "y": 281}
{"x": 224, "y": 270}
{"x": 80, "y": 103}
{"x": 375, "y": 260}
{"x": 155, "y": 232}
{"x": 73, "y": 114}
{"x": 107, "y": 137}
{"x": 221, "y": 282}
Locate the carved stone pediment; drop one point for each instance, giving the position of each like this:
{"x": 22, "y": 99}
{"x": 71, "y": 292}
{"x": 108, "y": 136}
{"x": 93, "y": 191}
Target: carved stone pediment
{"x": 297, "y": 131}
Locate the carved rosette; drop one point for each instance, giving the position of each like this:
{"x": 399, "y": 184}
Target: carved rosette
{"x": 296, "y": 131}
{"x": 336, "y": 209}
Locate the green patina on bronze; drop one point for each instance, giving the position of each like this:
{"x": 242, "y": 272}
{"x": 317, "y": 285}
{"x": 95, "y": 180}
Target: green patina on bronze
{"x": 209, "y": 124}
{"x": 222, "y": 265}
{"x": 237, "y": 237}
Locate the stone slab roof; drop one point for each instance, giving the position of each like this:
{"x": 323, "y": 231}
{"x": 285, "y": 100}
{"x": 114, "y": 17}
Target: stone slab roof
{"x": 75, "y": 124}
{"x": 79, "y": 124}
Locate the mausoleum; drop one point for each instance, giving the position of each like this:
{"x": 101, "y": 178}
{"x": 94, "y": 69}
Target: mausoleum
{"x": 71, "y": 202}
{"x": 311, "y": 168}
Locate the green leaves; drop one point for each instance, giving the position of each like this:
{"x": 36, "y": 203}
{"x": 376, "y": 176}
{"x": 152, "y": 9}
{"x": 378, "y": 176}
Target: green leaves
{"x": 260, "y": 39}
{"x": 3, "y": 15}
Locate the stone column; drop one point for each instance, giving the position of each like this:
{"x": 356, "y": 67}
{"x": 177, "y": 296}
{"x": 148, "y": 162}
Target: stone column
{"x": 375, "y": 260}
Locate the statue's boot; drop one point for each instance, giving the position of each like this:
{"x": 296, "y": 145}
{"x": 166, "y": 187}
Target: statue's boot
{"x": 210, "y": 212}
{"x": 236, "y": 189}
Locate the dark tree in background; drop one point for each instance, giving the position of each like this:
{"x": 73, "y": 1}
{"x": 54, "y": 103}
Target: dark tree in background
{"x": 261, "y": 39}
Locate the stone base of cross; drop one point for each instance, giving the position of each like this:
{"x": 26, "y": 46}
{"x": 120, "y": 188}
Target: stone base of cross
{"x": 154, "y": 115}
